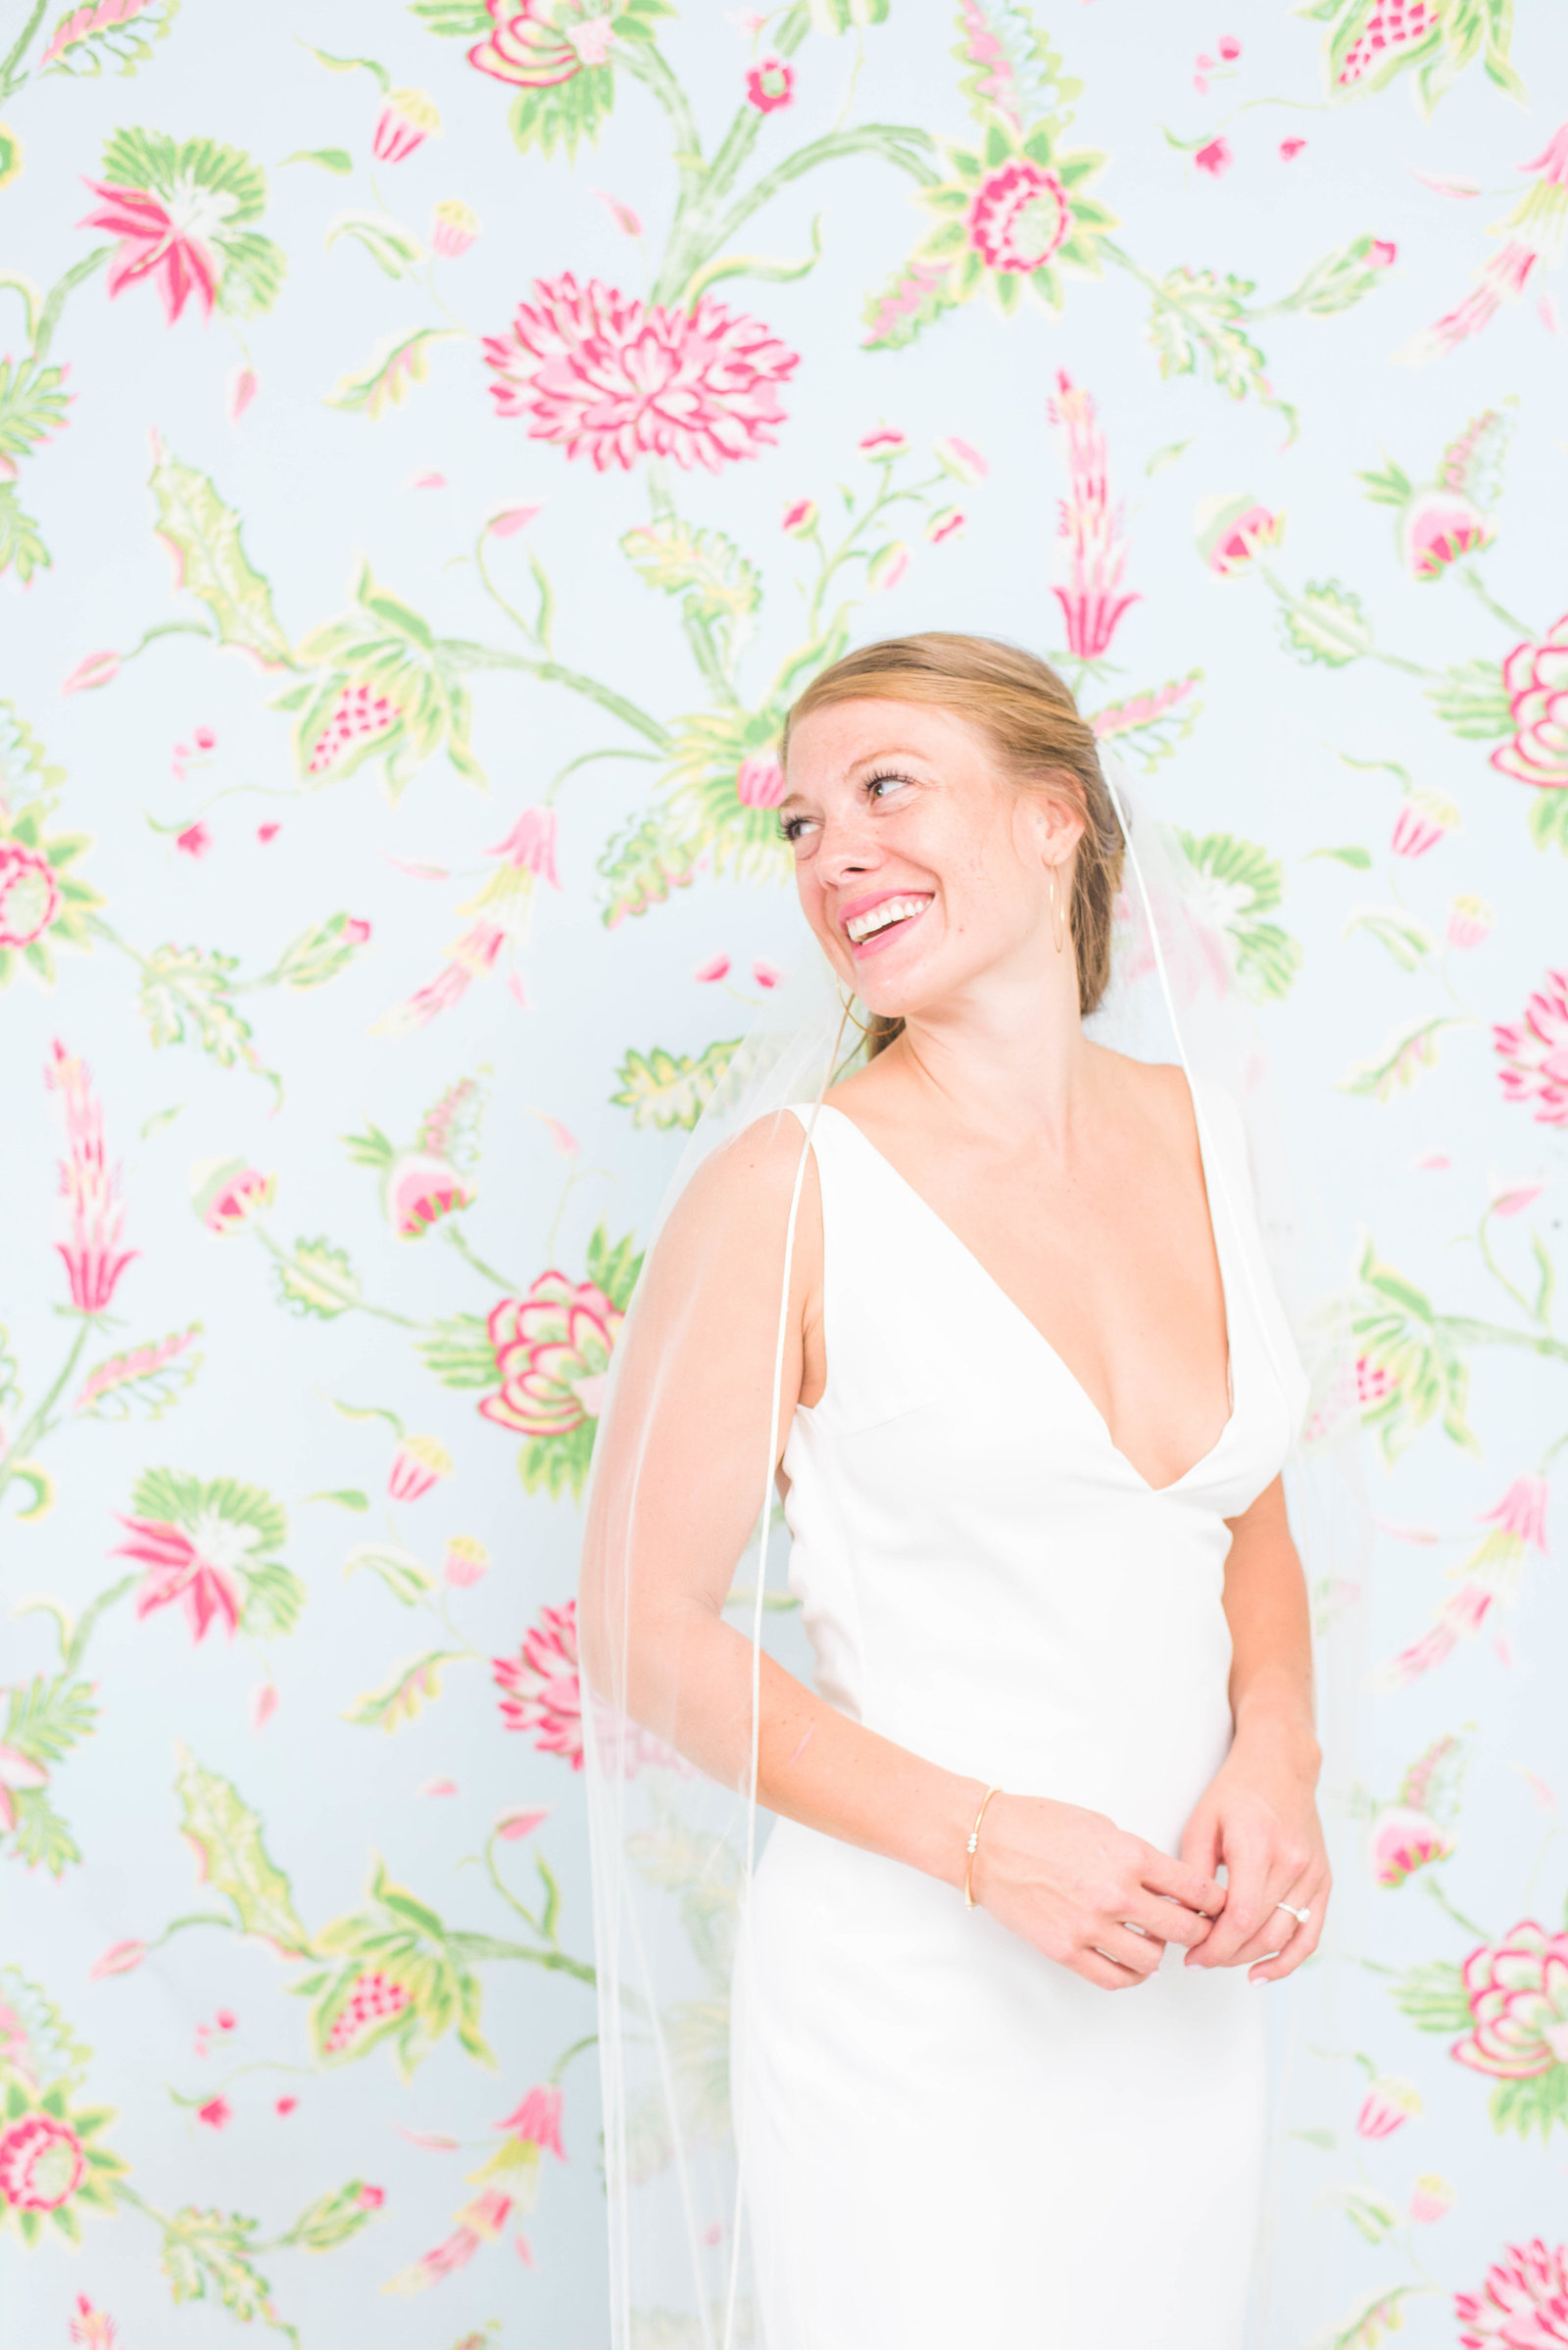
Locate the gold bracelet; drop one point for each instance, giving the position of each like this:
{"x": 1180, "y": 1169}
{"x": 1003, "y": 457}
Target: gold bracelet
{"x": 971, "y": 1845}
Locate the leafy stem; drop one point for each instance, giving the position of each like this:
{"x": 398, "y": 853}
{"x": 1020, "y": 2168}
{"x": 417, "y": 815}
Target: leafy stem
{"x": 320, "y": 1278}
{"x": 465, "y": 656}
{"x": 460, "y": 1240}
{"x": 1477, "y": 587}
{"x": 41, "y": 1424}
{"x": 1538, "y": 1310}
{"x": 1436, "y": 1893}
{"x": 12, "y": 77}
{"x": 59, "y": 294}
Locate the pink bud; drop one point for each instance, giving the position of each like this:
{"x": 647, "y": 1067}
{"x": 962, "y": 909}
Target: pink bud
{"x": 99, "y": 669}
{"x": 242, "y": 392}
{"x": 800, "y": 517}
{"x": 512, "y": 519}
{"x": 1216, "y": 157}
{"x": 1290, "y": 149}
{"x": 766, "y": 974}
{"x": 263, "y": 1703}
{"x": 285, "y": 2106}
{"x": 1382, "y": 255}
{"x": 371, "y": 2198}
{"x": 717, "y": 967}
{"x": 121, "y": 1958}
{"x": 267, "y": 832}
{"x": 760, "y": 780}
{"x": 216, "y": 2112}
{"x": 1230, "y": 48}
{"x": 1431, "y": 2198}
{"x": 195, "y": 840}
{"x": 519, "y": 1824}
{"x": 356, "y": 931}
{"x": 205, "y": 738}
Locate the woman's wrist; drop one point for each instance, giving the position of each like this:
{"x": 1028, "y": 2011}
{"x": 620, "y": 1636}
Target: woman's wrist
{"x": 1282, "y": 1736}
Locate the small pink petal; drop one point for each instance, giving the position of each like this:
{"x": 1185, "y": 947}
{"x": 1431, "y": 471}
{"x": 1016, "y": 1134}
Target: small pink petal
{"x": 1205, "y": 62}
{"x": 1433, "y": 1162}
{"x": 1408, "y": 1533}
{"x": 216, "y": 2112}
{"x": 517, "y": 991}
{"x": 263, "y": 1703}
{"x": 204, "y": 739}
{"x": 1290, "y": 149}
{"x": 432, "y": 2141}
{"x": 418, "y": 869}
{"x": 565, "y": 1140}
{"x": 1383, "y": 255}
{"x": 1230, "y": 48}
{"x": 1512, "y": 1198}
{"x": 1546, "y": 312}
{"x": 766, "y": 974}
{"x": 1444, "y": 187}
{"x": 1201, "y": 85}
{"x": 356, "y": 930}
{"x": 439, "y": 1786}
{"x": 1504, "y": 1648}
{"x": 519, "y": 1824}
{"x": 242, "y": 392}
{"x": 195, "y": 840}
{"x": 99, "y": 669}
{"x": 624, "y": 218}
{"x": 267, "y": 832}
{"x": 225, "y": 2018}
{"x": 428, "y": 482}
{"x": 716, "y": 967}
{"x": 119, "y": 1959}
{"x": 285, "y": 2106}
{"x": 512, "y": 519}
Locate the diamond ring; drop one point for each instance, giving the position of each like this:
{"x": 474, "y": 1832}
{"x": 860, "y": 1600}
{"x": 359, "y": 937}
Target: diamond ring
{"x": 1300, "y": 1915}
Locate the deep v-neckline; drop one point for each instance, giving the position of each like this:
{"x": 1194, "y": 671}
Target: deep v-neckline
{"x": 1050, "y": 1353}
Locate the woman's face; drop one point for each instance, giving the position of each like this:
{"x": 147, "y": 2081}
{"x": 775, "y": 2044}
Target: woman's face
{"x": 920, "y": 867}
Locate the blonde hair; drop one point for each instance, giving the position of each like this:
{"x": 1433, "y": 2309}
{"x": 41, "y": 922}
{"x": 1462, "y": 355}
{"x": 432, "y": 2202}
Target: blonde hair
{"x": 1028, "y": 715}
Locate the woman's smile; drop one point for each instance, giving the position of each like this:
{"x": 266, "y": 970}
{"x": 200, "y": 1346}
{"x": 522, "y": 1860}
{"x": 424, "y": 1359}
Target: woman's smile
{"x": 870, "y": 924}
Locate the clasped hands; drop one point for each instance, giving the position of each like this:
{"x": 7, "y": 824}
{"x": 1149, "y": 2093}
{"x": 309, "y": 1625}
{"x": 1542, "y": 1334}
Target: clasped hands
{"x": 1105, "y": 1904}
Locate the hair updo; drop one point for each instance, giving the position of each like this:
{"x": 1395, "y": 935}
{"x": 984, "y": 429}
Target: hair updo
{"x": 1028, "y": 715}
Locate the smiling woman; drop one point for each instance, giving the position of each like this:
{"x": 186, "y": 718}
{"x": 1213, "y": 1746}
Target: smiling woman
{"x": 1060, "y": 1661}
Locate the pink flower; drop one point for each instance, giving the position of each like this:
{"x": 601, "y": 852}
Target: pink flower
{"x": 29, "y": 895}
{"x": 543, "y": 1691}
{"x": 530, "y": 845}
{"x": 464, "y": 1561}
{"x": 93, "y": 1258}
{"x": 1437, "y": 527}
{"x": 177, "y": 1570}
{"x": 1092, "y": 526}
{"x": 1229, "y": 47}
{"x": 1470, "y": 921}
{"x": 242, "y": 392}
{"x": 1537, "y": 680}
{"x": 1510, "y": 1198}
{"x": 771, "y": 85}
{"x": 539, "y": 44}
{"x": 800, "y": 517}
{"x": 97, "y": 668}
{"x": 1019, "y": 216}
{"x": 1386, "y": 2106}
{"x": 407, "y": 120}
{"x": 267, "y": 832}
{"x": 369, "y": 2198}
{"x": 152, "y": 246}
{"x": 1534, "y": 1052}
{"x": 1290, "y": 149}
{"x": 1431, "y": 2197}
{"x": 960, "y": 459}
{"x": 454, "y": 225}
{"x": 195, "y": 840}
{"x": 759, "y": 780}
{"x": 766, "y": 975}
{"x": 1216, "y": 157}
{"x": 478, "y": 2222}
{"x": 626, "y": 221}
{"x": 284, "y": 2106}
{"x": 507, "y": 524}
{"x": 419, "y": 1463}
{"x": 1382, "y": 255}
{"x": 603, "y": 377}
{"x": 1522, "y": 1513}
{"x": 263, "y": 1703}
{"x": 227, "y": 1193}
{"x": 1233, "y": 532}
{"x": 69, "y": 34}
{"x": 1423, "y": 820}
{"x": 1404, "y": 1839}
{"x": 537, "y": 2122}
{"x": 517, "y": 1824}
{"x": 1523, "y": 2305}
{"x": 121, "y": 1958}
{"x": 420, "y": 1189}
{"x": 93, "y": 2329}
{"x": 947, "y": 522}
{"x": 42, "y": 2163}
{"x": 1518, "y": 1994}
{"x": 17, "y": 1773}
{"x": 887, "y": 566}
{"x": 715, "y": 968}
{"x": 885, "y": 441}
{"x": 1389, "y": 26}
{"x": 553, "y": 1351}
{"x": 216, "y": 2112}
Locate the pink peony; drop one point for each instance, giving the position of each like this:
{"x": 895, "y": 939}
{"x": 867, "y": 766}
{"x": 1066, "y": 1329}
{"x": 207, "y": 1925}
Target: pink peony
{"x": 771, "y": 85}
{"x": 1404, "y": 1839}
{"x": 759, "y": 780}
{"x": 94, "y": 1260}
{"x": 408, "y": 119}
{"x": 1216, "y": 157}
{"x": 1523, "y": 2305}
{"x": 553, "y": 1351}
{"x": 1019, "y": 216}
{"x": 1093, "y": 527}
{"x": 544, "y": 1693}
{"x": 1518, "y": 1995}
{"x": 1537, "y": 680}
{"x": 1437, "y": 527}
{"x": 1386, "y": 2106}
{"x": 542, "y": 42}
{"x": 177, "y": 1569}
{"x": 884, "y": 441}
{"x": 152, "y": 245}
{"x": 603, "y": 377}
{"x": 1424, "y": 819}
{"x": 42, "y": 2163}
{"x": 419, "y": 1463}
{"x": 537, "y": 2122}
{"x": 29, "y": 895}
{"x": 1534, "y": 1052}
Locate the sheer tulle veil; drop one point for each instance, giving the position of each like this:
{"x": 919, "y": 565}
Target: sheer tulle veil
{"x": 673, "y": 1852}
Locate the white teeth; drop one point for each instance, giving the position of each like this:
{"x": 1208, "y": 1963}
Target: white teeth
{"x": 891, "y": 909}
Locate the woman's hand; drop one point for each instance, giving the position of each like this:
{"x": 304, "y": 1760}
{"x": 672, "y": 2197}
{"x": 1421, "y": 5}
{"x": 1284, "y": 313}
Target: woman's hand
{"x": 1259, "y": 1817}
{"x": 1096, "y": 1900}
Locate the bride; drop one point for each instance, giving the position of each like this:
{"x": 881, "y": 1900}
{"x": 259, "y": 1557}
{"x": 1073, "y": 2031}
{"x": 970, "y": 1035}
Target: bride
{"x": 1026, "y": 1405}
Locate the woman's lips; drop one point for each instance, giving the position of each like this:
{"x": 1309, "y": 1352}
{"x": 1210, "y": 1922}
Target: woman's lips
{"x": 884, "y": 937}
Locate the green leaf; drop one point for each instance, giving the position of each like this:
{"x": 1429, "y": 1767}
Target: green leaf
{"x": 22, "y": 547}
{"x": 1195, "y": 327}
{"x": 1549, "y": 820}
{"x": 391, "y": 374}
{"x": 640, "y": 866}
{"x": 404, "y": 1577}
{"x": 1357, "y": 857}
{"x": 330, "y": 159}
{"x": 318, "y": 1279}
{"x": 1400, "y": 1062}
{"x": 33, "y": 404}
{"x": 42, "y": 1838}
{"x": 203, "y": 535}
{"x": 913, "y": 297}
{"x": 209, "y": 2251}
{"x": 1392, "y": 487}
{"x": 352, "y": 65}
{"x": 149, "y": 1378}
{"x": 81, "y": 45}
{"x": 346, "y": 1496}
{"x": 461, "y": 1353}
{"x": 333, "y": 2217}
{"x": 1473, "y": 702}
{"x": 1374, "y": 2318}
{"x": 453, "y": 19}
{"x": 1372, "y": 2214}
{"x": 394, "y": 249}
{"x": 45, "y": 1718}
{"x": 232, "y": 1858}
{"x": 1433, "y": 1998}
{"x": 563, "y": 114}
{"x": 557, "y": 1464}
{"x": 615, "y": 1268}
{"x": 1243, "y": 883}
{"x": 1327, "y": 625}
{"x": 1407, "y": 938}
{"x": 1538, "y": 2103}
{"x": 665, "y": 1089}
{"x": 185, "y": 997}
{"x": 704, "y": 566}
{"x": 1338, "y": 281}
{"x": 403, "y": 1697}
{"x": 274, "y": 1597}
{"x": 1414, "y": 1369}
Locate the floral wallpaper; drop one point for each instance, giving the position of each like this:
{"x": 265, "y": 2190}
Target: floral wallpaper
{"x": 436, "y": 442}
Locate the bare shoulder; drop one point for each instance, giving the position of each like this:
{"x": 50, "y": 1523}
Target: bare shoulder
{"x": 741, "y": 1194}
{"x": 1153, "y": 1092}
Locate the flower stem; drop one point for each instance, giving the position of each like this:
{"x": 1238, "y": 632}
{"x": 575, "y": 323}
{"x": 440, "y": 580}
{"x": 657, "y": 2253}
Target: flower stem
{"x": 10, "y": 75}
{"x": 464, "y": 655}
{"x": 460, "y": 1240}
{"x": 40, "y": 1425}
{"x": 1436, "y": 1893}
{"x": 323, "y": 1281}
{"x": 1477, "y": 587}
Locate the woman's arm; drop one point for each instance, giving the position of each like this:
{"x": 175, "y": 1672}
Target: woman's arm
{"x": 687, "y": 1445}
{"x": 1259, "y": 1815}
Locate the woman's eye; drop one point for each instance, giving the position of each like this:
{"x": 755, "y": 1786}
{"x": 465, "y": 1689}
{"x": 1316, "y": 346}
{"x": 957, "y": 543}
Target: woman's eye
{"x": 791, "y": 828}
{"x": 875, "y": 784}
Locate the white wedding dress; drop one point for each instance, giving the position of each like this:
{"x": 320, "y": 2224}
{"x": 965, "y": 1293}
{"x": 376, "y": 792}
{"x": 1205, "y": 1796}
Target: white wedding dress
{"x": 947, "y": 2142}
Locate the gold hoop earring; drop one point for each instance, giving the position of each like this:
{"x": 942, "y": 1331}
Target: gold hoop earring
{"x": 1058, "y": 919}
